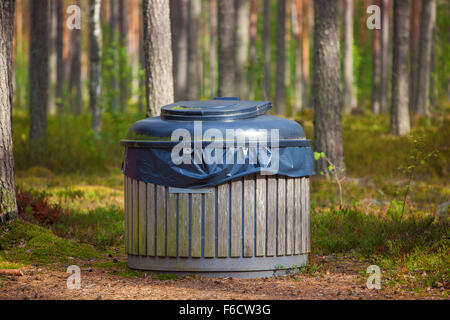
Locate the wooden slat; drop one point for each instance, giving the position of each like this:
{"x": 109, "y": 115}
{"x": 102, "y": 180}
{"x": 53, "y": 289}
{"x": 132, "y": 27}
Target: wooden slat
{"x": 271, "y": 215}
{"x": 289, "y": 215}
{"x": 281, "y": 216}
{"x": 298, "y": 216}
{"x": 222, "y": 217}
{"x": 135, "y": 237}
{"x": 130, "y": 214}
{"x": 183, "y": 226}
{"x": 142, "y": 218}
{"x": 171, "y": 224}
{"x": 161, "y": 221}
{"x": 304, "y": 199}
{"x": 260, "y": 215}
{"x": 236, "y": 218}
{"x": 210, "y": 225}
{"x": 308, "y": 216}
{"x": 196, "y": 235}
{"x": 249, "y": 211}
{"x": 125, "y": 209}
{"x": 151, "y": 219}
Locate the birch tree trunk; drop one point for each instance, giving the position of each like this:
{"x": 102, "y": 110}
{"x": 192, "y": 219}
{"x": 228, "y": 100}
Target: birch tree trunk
{"x": 384, "y": 46}
{"x": 193, "y": 52}
{"x": 427, "y": 22}
{"x": 326, "y": 92}
{"x": 95, "y": 50}
{"x": 349, "y": 91}
{"x": 158, "y": 55}
{"x": 280, "y": 90}
{"x": 226, "y": 26}
{"x": 179, "y": 28}
{"x": 8, "y": 206}
{"x": 242, "y": 37}
{"x": 400, "y": 80}
{"x": 38, "y": 78}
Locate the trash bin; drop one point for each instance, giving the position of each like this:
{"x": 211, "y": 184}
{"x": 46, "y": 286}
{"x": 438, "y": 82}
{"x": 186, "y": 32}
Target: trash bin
{"x": 218, "y": 188}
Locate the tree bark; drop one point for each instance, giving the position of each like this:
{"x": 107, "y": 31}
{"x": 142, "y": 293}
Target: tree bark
{"x": 124, "y": 81}
{"x": 384, "y": 46}
{"x": 113, "y": 80}
{"x": 59, "y": 56}
{"x": 179, "y": 27}
{"x": 253, "y": 28}
{"x": 266, "y": 39}
{"x": 38, "y": 78}
{"x": 95, "y": 50}
{"x": 297, "y": 21}
{"x": 242, "y": 34}
{"x": 307, "y": 8}
{"x": 349, "y": 92}
{"x": 8, "y": 206}
{"x": 427, "y": 22}
{"x": 158, "y": 55}
{"x": 193, "y": 55}
{"x": 413, "y": 51}
{"x": 52, "y": 57}
{"x": 400, "y": 81}
{"x": 376, "y": 70}
{"x": 326, "y": 92}
{"x": 280, "y": 90}
{"x": 226, "y": 26}
{"x": 75, "y": 69}
{"x": 212, "y": 45}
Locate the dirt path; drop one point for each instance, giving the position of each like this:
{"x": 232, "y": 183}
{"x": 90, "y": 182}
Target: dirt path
{"x": 341, "y": 280}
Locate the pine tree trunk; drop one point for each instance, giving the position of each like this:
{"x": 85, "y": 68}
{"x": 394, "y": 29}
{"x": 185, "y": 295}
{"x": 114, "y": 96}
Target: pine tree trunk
{"x": 8, "y": 206}
{"x": 266, "y": 39}
{"x": 376, "y": 70}
{"x": 242, "y": 34}
{"x": 226, "y": 26}
{"x": 113, "y": 42}
{"x": 59, "y": 56}
{"x": 384, "y": 46}
{"x": 95, "y": 50}
{"x": 297, "y": 21}
{"x": 52, "y": 57}
{"x": 158, "y": 55}
{"x": 400, "y": 80}
{"x": 326, "y": 92}
{"x": 307, "y": 9}
{"x": 413, "y": 50}
{"x": 349, "y": 91}
{"x": 179, "y": 24}
{"x": 212, "y": 46}
{"x": 280, "y": 90}
{"x": 193, "y": 56}
{"x": 75, "y": 69}
{"x": 427, "y": 22}
{"x": 124, "y": 85}
{"x": 38, "y": 78}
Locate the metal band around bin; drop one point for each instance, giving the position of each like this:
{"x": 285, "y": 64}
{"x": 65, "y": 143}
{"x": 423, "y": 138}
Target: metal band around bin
{"x": 170, "y": 144}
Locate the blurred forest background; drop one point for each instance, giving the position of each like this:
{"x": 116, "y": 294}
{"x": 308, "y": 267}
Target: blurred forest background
{"x": 76, "y": 93}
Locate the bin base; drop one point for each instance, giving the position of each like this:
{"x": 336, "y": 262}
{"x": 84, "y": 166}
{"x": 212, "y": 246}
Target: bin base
{"x": 243, "y": 268}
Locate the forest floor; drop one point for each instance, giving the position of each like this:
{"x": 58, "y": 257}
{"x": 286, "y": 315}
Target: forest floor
{"x": 342, "y": 280}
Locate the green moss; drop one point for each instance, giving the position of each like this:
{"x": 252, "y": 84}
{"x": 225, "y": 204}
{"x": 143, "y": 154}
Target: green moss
{"x": 23, "y": 242}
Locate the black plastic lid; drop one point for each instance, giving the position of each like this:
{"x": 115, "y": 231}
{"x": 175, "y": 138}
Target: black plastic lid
{"x": 218, "y": 109}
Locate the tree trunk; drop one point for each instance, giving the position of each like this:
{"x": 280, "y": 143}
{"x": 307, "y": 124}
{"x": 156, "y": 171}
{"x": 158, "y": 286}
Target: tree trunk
{"x": 52, "y": 57}
{"x": 179, "y": 24}
{"x": 349, "y": 91}
{"x": 193, "y": 56}
{"x": 8, "y": 206}
{"x": 158, "y": 55}
{"x": 212, "y": 45}
{"x": 400, "y": 81}
{"x": 38, "y": 78}
{"x": 427, "y": 21}
{"x": 113, "y": 80}
{"x": 307, "y": 8}
{"x": 95, "y": 50}
{"x": 242, "y": 34}
{"x": 266, "y": 39}
{"x": 280, "y": 90}
{"x": 226, "y": 26}
{"x": 297, "y": 21}
{"x": 124, "y": 81}
{"x": 384, "y": 46}
{"x": 75, "y": 69}
{"x": 326, "y": 92}
{"x": 376, "y": 70}
{"x": 253, "y": 28}
{"x": 413, "y": 51}
{"x": 59, "y": 56}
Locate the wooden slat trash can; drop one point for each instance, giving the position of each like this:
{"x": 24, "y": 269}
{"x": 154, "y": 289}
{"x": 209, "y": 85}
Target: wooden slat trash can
{"x": 200, "y": 218}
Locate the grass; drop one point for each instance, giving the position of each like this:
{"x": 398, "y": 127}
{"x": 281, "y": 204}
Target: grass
{"x": 83, "y": 177}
